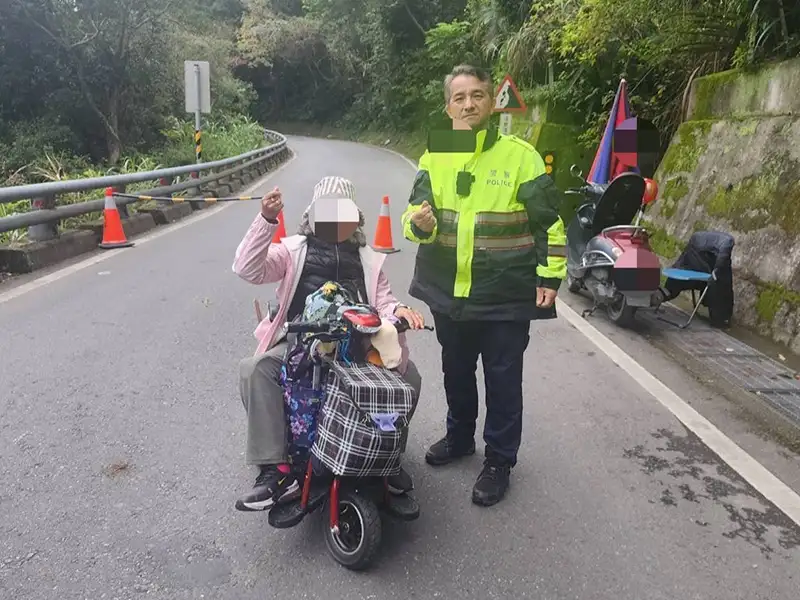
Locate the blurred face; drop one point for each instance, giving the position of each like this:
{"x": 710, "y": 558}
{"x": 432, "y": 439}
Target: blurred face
{"x": 470, "y": 101}
{"x": 334, "y": 220}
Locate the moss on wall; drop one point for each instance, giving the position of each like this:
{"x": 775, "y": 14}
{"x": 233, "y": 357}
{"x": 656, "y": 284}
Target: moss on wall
{"x": 707, "y": 92}
{"x": 748, "y": 127}
{"x": 675, "y": 189}
{"x": 771, "y": 298}
{"x": 686, "y": 148}
{"x": 769, "y": 198}
{"x": 737, "y": 93}
{"x": 665, "y": 245}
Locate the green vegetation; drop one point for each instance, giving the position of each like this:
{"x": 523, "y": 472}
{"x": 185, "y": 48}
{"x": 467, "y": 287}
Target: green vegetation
{"x": 771, "y": 298}
{"x": 665, "y": 245}
{"x": 379, "y": 63}
{"x": 92, "y": 85}
{"x": 95, "y": 87}
{"x": 735, "y": 94}
{"x": 227, "y": 137}
{"x": 674, "y": 191}
{"x": 772, "y": 197}
{"x": 685, "y": 151}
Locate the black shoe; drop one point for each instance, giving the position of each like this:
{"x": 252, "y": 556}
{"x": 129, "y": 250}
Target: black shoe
{"x": 445, "y": 451}
{"x": 492, "y": 484}
{"x": 400, "y": 484}
{"x": 271, "y": 486}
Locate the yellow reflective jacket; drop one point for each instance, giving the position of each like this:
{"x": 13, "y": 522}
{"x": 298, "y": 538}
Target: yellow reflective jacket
{"x": 492, "y": 248}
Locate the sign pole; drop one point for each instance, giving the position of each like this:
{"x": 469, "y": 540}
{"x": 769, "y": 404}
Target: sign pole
{"x": 505, "y": 123}
{"x": 198, "y": 124}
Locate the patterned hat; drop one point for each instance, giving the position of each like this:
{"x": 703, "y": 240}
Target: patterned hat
{"x": 333, "y": 201}
{"x": 337, "y": 188}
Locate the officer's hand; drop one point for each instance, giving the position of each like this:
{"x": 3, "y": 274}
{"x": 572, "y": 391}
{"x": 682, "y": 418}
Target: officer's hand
{"x": 545, "y": 297}
{"x": 272, "y": 204}
{"x": 424, "y": 218}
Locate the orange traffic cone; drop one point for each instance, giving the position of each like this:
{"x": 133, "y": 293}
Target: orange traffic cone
{"x": 383, "y": 232}
{"x": 113, "y": 233}
{"x": 280, "y": 233}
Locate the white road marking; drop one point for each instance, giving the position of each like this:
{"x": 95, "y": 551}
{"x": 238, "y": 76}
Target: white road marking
{"x": 762, "y": 480}
{"x": 772, "y": 488}
{"x": 411, "y": 163}
{"x": 191, "y": 220}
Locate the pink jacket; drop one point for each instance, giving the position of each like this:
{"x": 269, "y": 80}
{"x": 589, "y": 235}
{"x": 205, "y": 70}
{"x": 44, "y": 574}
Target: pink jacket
{"x": 259, "y": 261}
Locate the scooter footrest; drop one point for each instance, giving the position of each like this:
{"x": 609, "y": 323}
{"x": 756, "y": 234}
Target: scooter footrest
{"x": 402, "y": 507}
{"x": 285, "y": 516}
{"x": 317, "y": 496}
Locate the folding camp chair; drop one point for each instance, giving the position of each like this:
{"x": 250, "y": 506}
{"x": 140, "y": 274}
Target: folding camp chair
{"x": 694, "y": 276}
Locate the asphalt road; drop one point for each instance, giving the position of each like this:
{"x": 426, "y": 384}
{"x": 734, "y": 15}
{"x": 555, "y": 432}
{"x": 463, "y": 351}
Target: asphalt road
{"x": 122, "y": 439}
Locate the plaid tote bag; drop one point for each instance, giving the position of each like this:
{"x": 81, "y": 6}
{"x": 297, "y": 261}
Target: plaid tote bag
{"x": 360, "y": 425}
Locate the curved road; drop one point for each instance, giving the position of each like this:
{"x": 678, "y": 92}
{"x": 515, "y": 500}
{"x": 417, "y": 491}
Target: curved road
{"x": 122, "y": 439}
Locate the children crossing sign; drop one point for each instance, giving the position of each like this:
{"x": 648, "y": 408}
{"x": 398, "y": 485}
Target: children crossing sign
{"x": 508, "y": 99}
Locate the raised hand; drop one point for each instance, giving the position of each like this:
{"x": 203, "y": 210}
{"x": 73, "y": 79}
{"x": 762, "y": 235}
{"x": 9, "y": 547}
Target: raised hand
{"x": 272, "y": 204}
{"x": 424, "y": 218}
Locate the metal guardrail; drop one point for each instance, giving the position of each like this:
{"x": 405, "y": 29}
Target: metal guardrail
{"x": 42, "y": 221}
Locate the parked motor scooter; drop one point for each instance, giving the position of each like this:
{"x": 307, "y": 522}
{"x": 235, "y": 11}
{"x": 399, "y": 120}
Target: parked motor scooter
{"x": 607, "y": 255}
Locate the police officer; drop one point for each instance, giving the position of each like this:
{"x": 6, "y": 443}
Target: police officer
{"x": 491, "y": 258}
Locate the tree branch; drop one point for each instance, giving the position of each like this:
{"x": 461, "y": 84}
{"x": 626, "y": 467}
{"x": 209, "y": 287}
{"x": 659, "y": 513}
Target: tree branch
{"x": 153, "y": 16}
{"x": 62, "y": 41}
{"x": 413, "y": 18}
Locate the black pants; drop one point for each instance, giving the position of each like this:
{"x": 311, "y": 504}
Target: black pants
{"x": 501, "y": 345}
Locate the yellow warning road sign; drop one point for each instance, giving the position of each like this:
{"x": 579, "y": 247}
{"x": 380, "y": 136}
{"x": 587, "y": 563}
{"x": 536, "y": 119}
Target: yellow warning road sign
{"x": 508, "y": 99}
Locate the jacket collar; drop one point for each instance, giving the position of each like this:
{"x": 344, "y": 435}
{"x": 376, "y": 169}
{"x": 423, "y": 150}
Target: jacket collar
{"x": 486, "y": 138}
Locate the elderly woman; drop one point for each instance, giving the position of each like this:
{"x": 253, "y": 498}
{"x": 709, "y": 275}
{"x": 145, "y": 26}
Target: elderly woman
{"x": 330, "y": 246}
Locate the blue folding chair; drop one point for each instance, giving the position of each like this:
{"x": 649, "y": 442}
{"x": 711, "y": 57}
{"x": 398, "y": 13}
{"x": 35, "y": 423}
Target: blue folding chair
{"x": 685, "y": 275}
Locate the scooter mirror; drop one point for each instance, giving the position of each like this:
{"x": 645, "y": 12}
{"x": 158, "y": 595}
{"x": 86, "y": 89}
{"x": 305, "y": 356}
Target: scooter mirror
{"x": 576, "y": 172}
{"x": 650, "y": 191}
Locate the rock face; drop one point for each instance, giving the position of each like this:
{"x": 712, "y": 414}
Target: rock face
{"x": 734, "y": 166}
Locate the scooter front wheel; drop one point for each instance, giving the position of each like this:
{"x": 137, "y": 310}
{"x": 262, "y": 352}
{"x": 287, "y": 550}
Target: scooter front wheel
{"x": 573, "y": 285}
{"x": 355, "y": 543}
{"x": 621, "y": 313}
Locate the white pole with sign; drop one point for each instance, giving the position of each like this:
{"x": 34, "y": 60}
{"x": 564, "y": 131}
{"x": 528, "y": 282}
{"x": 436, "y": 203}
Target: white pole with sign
{"x": 197, "y": 83}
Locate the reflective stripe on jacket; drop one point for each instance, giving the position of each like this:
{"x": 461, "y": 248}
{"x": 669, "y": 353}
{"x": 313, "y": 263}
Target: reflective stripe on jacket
{"x": 491, "y": 249}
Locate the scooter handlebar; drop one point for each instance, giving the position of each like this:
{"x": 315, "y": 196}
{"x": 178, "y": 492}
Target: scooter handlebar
{"x": 582, "y": 191}
{"x": 403, "y": 325}
{"x": 307, "y": 327}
